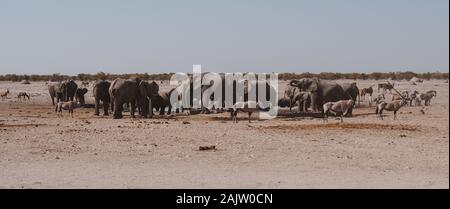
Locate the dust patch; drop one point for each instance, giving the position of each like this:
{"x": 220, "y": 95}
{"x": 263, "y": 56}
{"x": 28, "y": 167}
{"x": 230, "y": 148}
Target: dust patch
{"x": 342, "y": 126}
{"x": 2, "y": 125}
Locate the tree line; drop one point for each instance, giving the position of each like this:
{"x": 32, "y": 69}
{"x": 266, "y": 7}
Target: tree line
{"x": 282, "y": 76}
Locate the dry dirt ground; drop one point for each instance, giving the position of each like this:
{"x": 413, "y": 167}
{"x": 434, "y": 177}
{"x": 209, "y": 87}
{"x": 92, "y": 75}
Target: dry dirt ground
{"x": 38, "y": 150}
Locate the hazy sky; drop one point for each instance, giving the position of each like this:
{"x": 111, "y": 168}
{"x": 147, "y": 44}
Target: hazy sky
{"x": 118, "y": 36}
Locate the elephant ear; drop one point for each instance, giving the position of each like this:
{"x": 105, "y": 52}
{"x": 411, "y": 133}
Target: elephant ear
{"x": 154, "y": 88}
{"x": 142, "y": 88}
{"x": 314, "y": 85}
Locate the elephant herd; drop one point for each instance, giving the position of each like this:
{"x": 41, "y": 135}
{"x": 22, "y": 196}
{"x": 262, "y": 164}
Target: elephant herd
{"x": 66, "y": 91}
{"x": 314, "y": 93}
{"x": 134, "y": 92}
{"x": 308, "y": 93}
{"x": 145, "y": 96}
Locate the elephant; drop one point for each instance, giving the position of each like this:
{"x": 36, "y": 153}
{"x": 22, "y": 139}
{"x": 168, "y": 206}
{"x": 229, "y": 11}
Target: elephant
{"x": 202, "y": 88}
{"x": 353, "y": 91}
{"x": 122, "y": 92}
{"x": 321, "y": 91}
{"x": 223, "y": 83}
{"x": 79, "y": 95}
{"x": 304, "y": 100}
{"x": 290, "y": 93}
{"x": 146, "y": 97}
{"x": 69, "y": 89}
{"x": 56, "y": 91}
{"x": 162, "y": 101}
{"x": 284, "y": 102}
{"x": 100, "y": 92}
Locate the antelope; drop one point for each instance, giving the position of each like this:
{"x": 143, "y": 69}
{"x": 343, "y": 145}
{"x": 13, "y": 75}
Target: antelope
{"x": 4, "y": 94}
{"x": 24, "y": 95}
{"x": 70, "y": 106}
{"x": 341, "y": 108}
{"x": 390, "y": 106}
{"x": 249, "y": 107}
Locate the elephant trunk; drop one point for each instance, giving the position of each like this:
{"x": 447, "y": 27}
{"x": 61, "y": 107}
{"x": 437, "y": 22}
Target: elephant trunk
{"x": 314, "y": 102}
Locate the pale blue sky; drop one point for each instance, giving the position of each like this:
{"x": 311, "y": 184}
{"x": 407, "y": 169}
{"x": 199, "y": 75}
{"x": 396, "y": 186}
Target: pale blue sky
{"x": 87, "y": 36}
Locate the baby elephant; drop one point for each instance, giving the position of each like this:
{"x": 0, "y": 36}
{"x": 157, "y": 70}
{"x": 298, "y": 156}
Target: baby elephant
{"x": 70, "y": 106}
{"x": 391, "y": 106}
{"x": 24, "y": 95}
{"x": 340, "y": 108}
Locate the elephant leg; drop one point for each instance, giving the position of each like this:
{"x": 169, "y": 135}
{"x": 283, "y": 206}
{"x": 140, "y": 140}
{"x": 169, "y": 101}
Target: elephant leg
{"x": 161, "y": 110}
{"x": 146, "y": 108}
{"x": 105, "y": 108}
{"x": 53, "y": 100}
{"x": 150, "y": 108}
{"x": 142, "y": 108}
{"x": 133, "y": 108}
{"x": 249, "y": 115}
{"x": 118, "y": 106}
{"x": 314, "y": 102}
{"x": 97, "y": 107}
{"x": 112, "y": 105}
{"x": 290, "y": 104}
{"x": 169, "y": 111}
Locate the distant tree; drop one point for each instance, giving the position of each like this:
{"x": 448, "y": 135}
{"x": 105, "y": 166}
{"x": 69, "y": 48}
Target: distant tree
{"x": 376, "y": 76}
{"x": 101, "y": 76}
{"x": 83, "y": 77}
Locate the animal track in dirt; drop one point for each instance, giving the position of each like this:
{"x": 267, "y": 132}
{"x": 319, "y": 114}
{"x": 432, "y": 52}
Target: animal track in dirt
{"x": 2, "y": 125}
{"x": 372, "y": 126}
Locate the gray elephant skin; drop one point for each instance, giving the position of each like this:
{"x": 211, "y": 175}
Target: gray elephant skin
{"x": 63, "y": 91}
{"x": 147, "y": 95}
{"x": 290, "y": 93}
{"x": 353, "y": 91}
{"x": 79, "y": 96}
{"x": 56, "y": 91}
{"x": 321, "y": 91}
{"x": 69, "y": 89}
{"x": 122, "y": 92}
{"x": 101, "y": 94}
{"x": 162, "y": 101}
{"x": 304, "y": 100}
